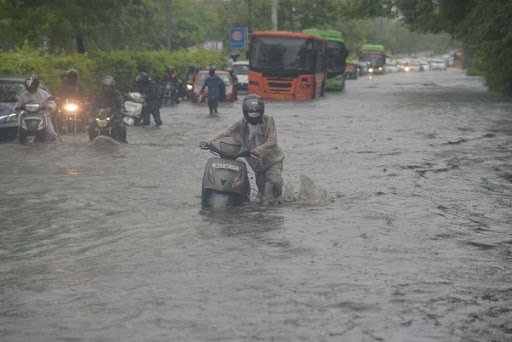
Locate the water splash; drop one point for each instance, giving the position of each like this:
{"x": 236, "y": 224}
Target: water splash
{"x": 308, "y": 193}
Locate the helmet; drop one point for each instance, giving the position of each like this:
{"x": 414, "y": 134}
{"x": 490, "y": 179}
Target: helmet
{"x": 32, "y": 83}
{"x": 72, "y": 75}
{"x": 142, "y": 78}
{"x": 253, "y": 108}
{"x": 108, "y": 81}
{"x": 211, "y": 72}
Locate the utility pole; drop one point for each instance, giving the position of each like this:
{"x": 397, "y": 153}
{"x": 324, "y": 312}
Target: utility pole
{"x": 274, "y": 15}
{"x": 168, "y": 5}
{"x": 249, "y": 11}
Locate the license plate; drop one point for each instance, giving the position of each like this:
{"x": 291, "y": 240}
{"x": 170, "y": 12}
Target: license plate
{"x": 226, "y": 166}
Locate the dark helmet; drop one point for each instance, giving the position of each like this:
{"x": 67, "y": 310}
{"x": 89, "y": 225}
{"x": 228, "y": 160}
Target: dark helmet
{"x": 211, "y": 72}
{"x": 142, "y": 78}
{"x": 32, "y": 83}
{"x": 253, "y": 108}
{"x": 72, "y": 75}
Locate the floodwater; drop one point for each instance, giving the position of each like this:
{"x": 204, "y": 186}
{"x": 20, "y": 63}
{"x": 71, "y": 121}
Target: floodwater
{"x": 398, "y": 226}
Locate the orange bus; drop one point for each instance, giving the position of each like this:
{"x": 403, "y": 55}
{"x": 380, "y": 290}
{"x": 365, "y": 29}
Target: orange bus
{"x": 287, "y": 65}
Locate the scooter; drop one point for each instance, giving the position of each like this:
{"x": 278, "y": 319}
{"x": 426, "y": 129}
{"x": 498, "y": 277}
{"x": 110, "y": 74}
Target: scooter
{"x": 225, "y": 180}
{"x": 32, "y": 123}
{"x": 133, "y": 108}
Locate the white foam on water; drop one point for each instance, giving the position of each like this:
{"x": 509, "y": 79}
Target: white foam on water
{"x": 308, "y": 193}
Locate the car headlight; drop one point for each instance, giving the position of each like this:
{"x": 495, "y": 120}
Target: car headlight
{"x": 370, "y": 70}
{"x": 70, "y": 107}
{"x": 407, "y": 69}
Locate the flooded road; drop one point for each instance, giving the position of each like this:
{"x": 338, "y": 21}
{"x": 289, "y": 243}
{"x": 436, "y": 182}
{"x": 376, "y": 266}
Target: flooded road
{"x": 410, "y": 239}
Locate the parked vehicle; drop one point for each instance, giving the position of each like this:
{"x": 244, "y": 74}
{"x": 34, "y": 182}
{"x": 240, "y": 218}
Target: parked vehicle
{"x": 241, "y": 71}
{"x": 336, "y": 57}
{"x": 439, "y": 64}
{"x": 225, "y": 181}
{"x": 229, "y": 95}
{"x": 375, "y": 55}
{"x": 133, "y": 107}
{"x": 287, "y": 65}
{"x": 351, "y": 71}
{"x": 10, "y": 89}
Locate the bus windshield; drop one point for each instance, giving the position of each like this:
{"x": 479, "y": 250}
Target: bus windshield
{"x": 376, "y": 58}
{"x": 282, "y": 53}
{"x": 336, "y": 56}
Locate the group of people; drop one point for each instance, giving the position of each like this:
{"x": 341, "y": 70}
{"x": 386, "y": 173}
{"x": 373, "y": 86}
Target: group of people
{"x": 256, "y": 130}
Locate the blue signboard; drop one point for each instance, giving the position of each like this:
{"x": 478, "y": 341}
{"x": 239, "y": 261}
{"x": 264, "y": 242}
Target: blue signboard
{"x": 237, "y": 37}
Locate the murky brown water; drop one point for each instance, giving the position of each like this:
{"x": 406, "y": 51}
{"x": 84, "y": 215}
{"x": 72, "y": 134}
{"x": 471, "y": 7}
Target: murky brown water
{"x": 414, "y": 242}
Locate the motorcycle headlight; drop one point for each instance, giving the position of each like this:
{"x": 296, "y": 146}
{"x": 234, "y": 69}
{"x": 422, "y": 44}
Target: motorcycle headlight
{"x": 190, "y": 87}
{"x": 380, "y": 68}
{"x": 70, "y": 107}
{"x": 370, "y": 70}
{"x": 407, "y": 69}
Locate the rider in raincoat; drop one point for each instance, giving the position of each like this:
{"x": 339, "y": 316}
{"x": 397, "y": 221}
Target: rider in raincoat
{"x": 258, "y": 133}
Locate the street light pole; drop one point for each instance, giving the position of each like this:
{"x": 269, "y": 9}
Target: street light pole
{"x": 274, "y": 15}
{"x": 249, "y": 11}
{"x": 169, "y": 24}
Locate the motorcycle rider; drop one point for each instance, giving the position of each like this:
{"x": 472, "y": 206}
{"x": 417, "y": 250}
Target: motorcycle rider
{"x": 109, "y": 97}
{"x": 72, "y": 89}
{"x": 258, "y": 134}
{"x": 147, "y": 87}
{"x": 33, "y": 93}
{"x": 176, "y": 83}
{"x": 214, "y": 84}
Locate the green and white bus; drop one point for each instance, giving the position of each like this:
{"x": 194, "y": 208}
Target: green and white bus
{"x": 375, "y": 55}
{"x": 336, "y": 57}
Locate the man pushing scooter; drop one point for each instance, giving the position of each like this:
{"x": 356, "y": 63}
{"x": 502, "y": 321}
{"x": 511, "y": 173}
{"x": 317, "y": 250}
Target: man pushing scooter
{"x": 257, "y": 133}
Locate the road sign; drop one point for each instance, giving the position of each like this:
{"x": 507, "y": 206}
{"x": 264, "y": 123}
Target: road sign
{"x": 237, "y": 37}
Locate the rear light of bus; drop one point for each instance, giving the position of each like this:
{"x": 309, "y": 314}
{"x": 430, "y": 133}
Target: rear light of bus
{"x": 304, "y": 86}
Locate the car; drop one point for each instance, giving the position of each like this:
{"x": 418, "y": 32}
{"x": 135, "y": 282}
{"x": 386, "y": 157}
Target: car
{"x": 230, "y": 93}
{"x": 439, "y": 64}
{"x": 391, "y": 66}
{"x": 11, "y": 88}
{"x": 241, "y": 71}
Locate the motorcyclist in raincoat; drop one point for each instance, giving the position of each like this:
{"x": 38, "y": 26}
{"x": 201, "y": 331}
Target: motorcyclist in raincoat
{"x": 109, "y": 97}
{"x": 258, "y": 134}
{"x": 34, "y": 93}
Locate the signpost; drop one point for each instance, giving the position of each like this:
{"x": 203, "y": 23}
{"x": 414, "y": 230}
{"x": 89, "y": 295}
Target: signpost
{"x": 237, "y": 37}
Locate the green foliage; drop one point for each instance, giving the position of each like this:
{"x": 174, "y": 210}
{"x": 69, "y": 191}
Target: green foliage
{"x": 483, "y": 26}
{"x": 122, "y": 64}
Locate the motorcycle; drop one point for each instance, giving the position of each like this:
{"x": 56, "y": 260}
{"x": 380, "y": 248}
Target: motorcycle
{"x": 71, "y": 113}
{"x": 133, "y": 107}
{"x": 103, "y": 124}
{"x": 225, "y": 180}
{"x": 33, "y": 121}
{"x": 171, "y": 93}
